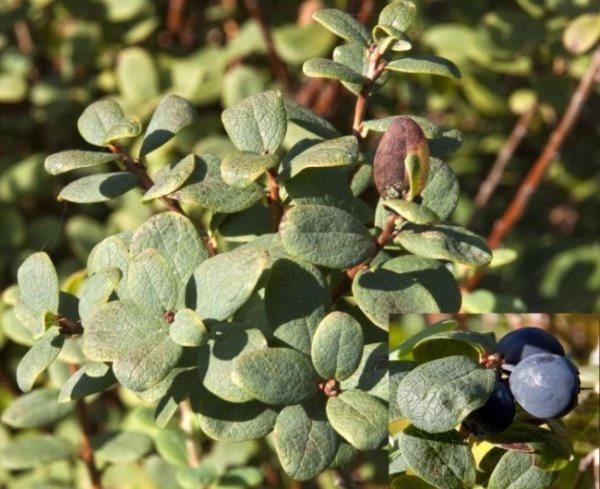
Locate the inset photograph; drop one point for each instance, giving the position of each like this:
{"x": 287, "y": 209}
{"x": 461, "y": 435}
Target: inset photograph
{"x": 494, "y": 401}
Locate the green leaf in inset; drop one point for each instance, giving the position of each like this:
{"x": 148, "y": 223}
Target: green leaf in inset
{"x": 326, "y": 68}
{"x": 215, "y": 360}
{"x": 172, "y": 114}
{"x": 442, "y": 459}
{"x": 304, "y": 440}
{"x": 443, "y": 344}
{"x": 360, "y": 418}
{"x": 277, "y": 376}
{"x": 516, "y": 469}
{"x": 65, "y": 161}
{"x": 225, "y": 281}
{"x": 120, "y": 447}
{"x": 38, "y": 283}
{"x": 228, "y": 421}
{"x": 36, "y": 409}
{"x": 136, "y": 75}
{"x": 96, "y": 290}
{"x": 170, "y": 179}
{"x": 39, "y": 358}
{"x": 308, "y": 120}
{"x": 152, "y": 282}
{"x": 90, "y": 379}
{"x": 257, "y": 124}
{"x": 175, "y": 237}
{"x": 30, "y": 451}
{"x": 98, "y": 188}
{"x": 404, "y": 350}
{"x": 246, "y": 225}
{"x": 432, "y": 65}
{"x": 337, "y": 346}
{"x": 445, "y": 242}
{"x": 206, "y": 187}
{"x": 341, "y": 151}
{"x": 441, "y": 190}
{"x": 398, "y": 370}
{"x": 296, "y": 300}
{"x": 411, "y": 211}
{"x": 439, "y": 394}
{"x": 241, "y": 168}
{"x": 399, "y": 15}
{"x": 325, "y": 236}
{"x": 104, "y": 121}
{"x": 344, "y": 25}
{"x": 193, "y": 477}
{"x": 187, "y": 329}
{"x": 371, "y": 375}
{"x": 403, "y": 285}
{"x": 582, "y": 33}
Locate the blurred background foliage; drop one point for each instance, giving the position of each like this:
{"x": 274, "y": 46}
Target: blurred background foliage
{"x": 517, "y": 57}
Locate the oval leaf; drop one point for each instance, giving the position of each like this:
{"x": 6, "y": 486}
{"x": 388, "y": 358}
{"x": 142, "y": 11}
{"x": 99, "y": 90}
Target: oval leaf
{"x": 398, "y": 15}
{"x": 445, "y": 242}
{"x": 305, "y": 442}
{"x": 337, "y": 346}
{"x": 207, "y": 188}
{"x": 98, "y": 188}
{"x": 296, "y": 300}
{"x": 240, "y": 169}
{"x": 325, "y": 236}
{"x": 188, "y": 329}
{"x": 517, "y": 468}
{"x": 104, "y": 121}
{"x": 344, "y": 25}
{"x": 28, "y": 452}
{"x": 37, "y": 409}
{"x": 39, "y": 358}
{"x": 172, "y": 114}
{"x": 442, "y": 459}
{"x": 152, "y": 283}
{"x": 224, "y": 282}
{"x": 277, "y": 376}
{"x": 341, "y": 151}
{"x": 65, "y": 161}
{"x": 326, "y": 68}
{"x": 403, "y": 285}
{"x": 432, "y": 65}
{"x": 257, "y": 124}
{"x": 438, "y": 395}
{"x": 411, "y": 211}
{"x": 38, "y": 283}
{"x": 170, "y": 179}
{"x": 360, "y": 418}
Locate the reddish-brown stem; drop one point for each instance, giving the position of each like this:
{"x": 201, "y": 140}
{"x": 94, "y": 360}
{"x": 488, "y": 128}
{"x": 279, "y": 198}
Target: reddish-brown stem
{"x": 387, "y": 234}
{"x": 515, "y": 210}
{"x": 23, "y": 37}
{"x": 376, "y": 67}
{"x": 276, "y": 212}
{"x": 174, "y": 16}
{"x": 275, "y": 61}
{"x": 139, "y": 170}
{"x": 493, "y": 178}
{"x": 87, "y": 452}
{"x": 68, "y": 326}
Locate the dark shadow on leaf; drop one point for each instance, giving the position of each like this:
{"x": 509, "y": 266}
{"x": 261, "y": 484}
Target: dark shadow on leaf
{"x": 116, "y": 185}
{"x": 155, "y": 140}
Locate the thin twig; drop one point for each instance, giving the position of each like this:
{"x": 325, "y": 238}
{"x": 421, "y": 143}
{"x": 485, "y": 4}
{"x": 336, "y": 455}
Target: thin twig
{"x": 139, "y": 170}
{"x": 516, "y": 208}
{"x": 374, "y": 71}
{"x": 277, "y": 65}
{"x": 186, "y": 425}
{"x": 87, "y": 452}
{"x": 493, "y": 178}
{"x": 174, "y": 16}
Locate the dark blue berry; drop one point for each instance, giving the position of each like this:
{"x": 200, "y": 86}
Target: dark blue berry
{"x": 524, "y": 342}
{"x": 545, "y": 385}
{"x": 495, "y": 415}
